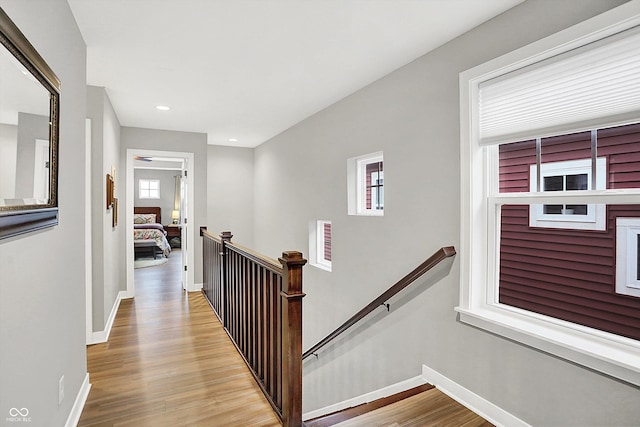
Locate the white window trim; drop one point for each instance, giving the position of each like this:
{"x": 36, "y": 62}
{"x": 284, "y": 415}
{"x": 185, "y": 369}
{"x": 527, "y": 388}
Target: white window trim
{"x": 321, "y": 260}
{"x": 627, "y": 231}
{"x": 596, "y": 218}
{"x": 356, "y": 184}
{"x": 140, "y": 189}
{"x": 316, "y": 245}
{"x": 480, "y": 210}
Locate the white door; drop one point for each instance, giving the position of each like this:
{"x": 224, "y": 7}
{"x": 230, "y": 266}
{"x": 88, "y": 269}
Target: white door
{"x": 184, "y": 217}
{"x": 41, "y": 172}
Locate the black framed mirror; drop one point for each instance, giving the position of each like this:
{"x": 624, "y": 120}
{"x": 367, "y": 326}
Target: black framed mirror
{"x": 29, "y": 126}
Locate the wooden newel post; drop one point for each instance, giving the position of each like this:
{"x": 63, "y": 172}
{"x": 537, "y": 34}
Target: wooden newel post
{"x": 292, "y": 263}
{"x": 225, "y": 236}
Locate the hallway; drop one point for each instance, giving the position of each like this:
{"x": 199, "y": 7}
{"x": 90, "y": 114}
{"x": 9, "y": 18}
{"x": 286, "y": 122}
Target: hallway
{"x": 168, "y": 362}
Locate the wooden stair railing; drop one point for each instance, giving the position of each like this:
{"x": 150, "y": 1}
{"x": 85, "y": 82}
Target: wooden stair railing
{"x": 259, "y": 302}
{"x": 440, "y": 255}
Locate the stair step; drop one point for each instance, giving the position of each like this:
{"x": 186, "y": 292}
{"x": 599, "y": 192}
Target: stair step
{"x": 349, "y": 413}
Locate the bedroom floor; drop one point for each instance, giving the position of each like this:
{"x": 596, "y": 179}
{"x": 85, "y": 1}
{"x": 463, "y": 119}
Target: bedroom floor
{"x": 168, "y": 271}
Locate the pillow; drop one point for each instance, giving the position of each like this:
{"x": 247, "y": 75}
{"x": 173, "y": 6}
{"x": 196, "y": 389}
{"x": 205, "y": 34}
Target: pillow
{"x": 144, "y": 218}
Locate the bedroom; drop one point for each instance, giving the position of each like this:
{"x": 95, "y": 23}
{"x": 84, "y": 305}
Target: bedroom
{"x": 157, "y": 209}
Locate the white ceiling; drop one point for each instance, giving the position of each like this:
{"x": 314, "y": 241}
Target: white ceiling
{"x": 250, "y": 69}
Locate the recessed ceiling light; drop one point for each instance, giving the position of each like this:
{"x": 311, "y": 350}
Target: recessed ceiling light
{"x": 162, "y": 108}
{"x": 233, "y": 139}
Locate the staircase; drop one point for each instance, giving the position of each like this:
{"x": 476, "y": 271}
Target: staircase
{"x": 259, "y": 302}
{"x": 421, "y": 406}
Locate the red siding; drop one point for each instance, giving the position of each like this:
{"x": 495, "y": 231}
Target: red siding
{"x": 327, "y": 241}
{"x": 569, "y": 274}
{"x": 621, "y": 146}
{"x": 371, "y": 168}
{"x": 514, "y": 166}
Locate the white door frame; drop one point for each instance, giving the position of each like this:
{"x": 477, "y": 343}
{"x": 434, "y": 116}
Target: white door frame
{"x": 128, "y": 217}
{"x": 88, "y": 238}
{"x": 41, "y": 175}
{"x": 184, "y": 230}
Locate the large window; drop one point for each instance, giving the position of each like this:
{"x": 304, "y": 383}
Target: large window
{"x": 548, "y": 284}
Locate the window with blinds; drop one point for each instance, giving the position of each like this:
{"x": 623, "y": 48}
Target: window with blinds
{"x": 587, "y": 87}
{"x": 548, "y": 144}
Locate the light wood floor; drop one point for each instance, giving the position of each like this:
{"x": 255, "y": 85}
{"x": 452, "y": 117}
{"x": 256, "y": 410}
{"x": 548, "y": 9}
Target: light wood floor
{"x": 428, "y": 409}
{"x": 168, "y": 362}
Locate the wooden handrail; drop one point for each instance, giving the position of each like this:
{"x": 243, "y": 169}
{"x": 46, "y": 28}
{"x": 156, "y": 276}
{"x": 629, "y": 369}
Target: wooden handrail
{"x": 256, "y": 257}
{"x": 259, "y": 259}
{"x": 259, "y": 302}
{"x": 432, "y": 261}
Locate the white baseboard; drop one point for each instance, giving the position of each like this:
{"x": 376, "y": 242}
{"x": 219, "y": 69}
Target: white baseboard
{"x": 196, "y": 287}
{"x": 103, "y": 336}
{"x": 469, "y": 399}
{"x": 367, "y": 397}
{"x": 78, "y": 404}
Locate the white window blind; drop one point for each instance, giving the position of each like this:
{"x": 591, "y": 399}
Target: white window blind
{"x": 595, "y": 85}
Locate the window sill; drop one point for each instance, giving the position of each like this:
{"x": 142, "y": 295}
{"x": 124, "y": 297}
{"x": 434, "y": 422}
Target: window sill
{"x": 368, "y": 213}
{"x": 321, "y": 266}
{"x": 607, "y": 353}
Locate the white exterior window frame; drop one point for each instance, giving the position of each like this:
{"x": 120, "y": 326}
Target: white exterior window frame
{"x": 145, "y": 190}
{"x": 321, "y": 260}
{"x": 596, "y": 218}
{"x": 357, "y": 184}
{"x": 627, "y": 235}
{"x": 481, "y": 203}
{"x": 317, "y": 245}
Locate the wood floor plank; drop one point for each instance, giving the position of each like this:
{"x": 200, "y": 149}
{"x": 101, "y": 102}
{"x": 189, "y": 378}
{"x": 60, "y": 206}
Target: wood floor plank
{"x": 349, "y": 413}
{"x": 429, "y": 408}
{"x": 168, "y": 362}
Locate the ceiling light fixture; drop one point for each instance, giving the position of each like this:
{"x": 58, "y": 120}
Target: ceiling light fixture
{"x": 233, "y": 139}
{"x": 162, "y": 108}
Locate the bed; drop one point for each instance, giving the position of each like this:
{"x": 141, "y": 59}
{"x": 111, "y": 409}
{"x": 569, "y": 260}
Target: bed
{"x": 149, "y": 237}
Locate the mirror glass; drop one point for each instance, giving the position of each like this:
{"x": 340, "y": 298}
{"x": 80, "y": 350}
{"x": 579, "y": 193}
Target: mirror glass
{"x": 29, "y": 121}
{"x": 24, "y": 135}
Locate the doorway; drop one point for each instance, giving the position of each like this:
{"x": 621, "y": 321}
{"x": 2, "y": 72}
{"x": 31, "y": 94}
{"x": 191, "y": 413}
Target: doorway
{"x": 186, "y": 161}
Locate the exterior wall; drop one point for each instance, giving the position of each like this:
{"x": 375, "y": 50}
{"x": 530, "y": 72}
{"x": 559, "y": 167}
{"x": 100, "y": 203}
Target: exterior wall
{"x": 569, "y": 274}
{"x": 42, "y": 274}
{"x": 412, "y": 115}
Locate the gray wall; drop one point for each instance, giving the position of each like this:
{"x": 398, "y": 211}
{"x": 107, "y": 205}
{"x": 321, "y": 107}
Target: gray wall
{"x": 42, "y": 297}
{"x": 30, "y": 128}
{"x": 167, "y": 191}
{"x": 413, "y": 116}
{"x": 187, "y": 142}
{"x": 8, "y": 155}
{"x": 108, "y": 275}
{"x": 230, "y": 192}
